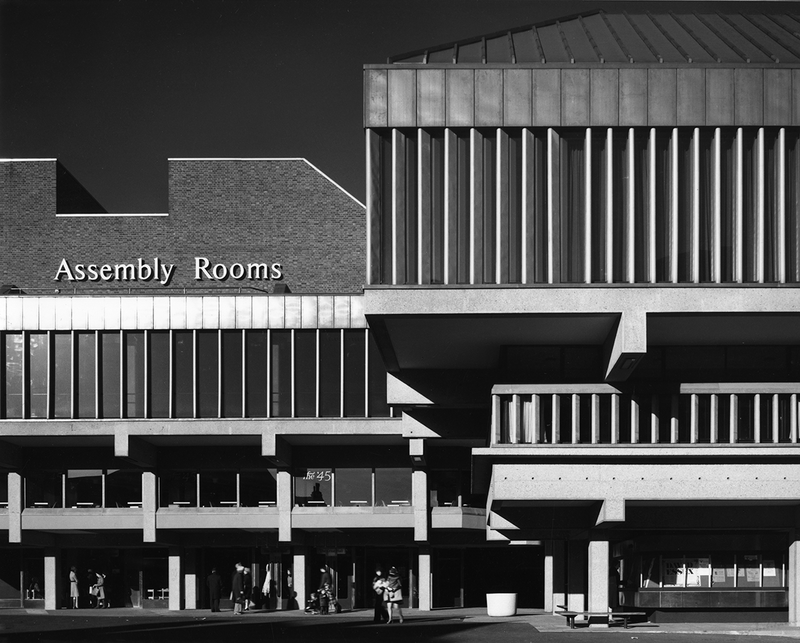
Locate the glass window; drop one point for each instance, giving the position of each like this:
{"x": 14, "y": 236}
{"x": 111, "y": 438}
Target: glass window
{"x": 281, "y": 380}
{"x": 207, "y": 374}
{"x": 256, "y": 380}
{"x": 378, "y": 407}
{"x": 183, "y": 369}
{"x": 312, "y": 487}
{"x": 392, "y": 487}
{"x": 772, "y": 570}
{"x": 84, "y": 488}
{"x": 232, "y": 373}
{"x": 673, "y": 572}
{"x": 158, "y": 367}
{"x": 651, "y": 572}
{"x": 722, "y": 573}
{"x": 698, "y": 572}
{"x": 37, "y": 374}
{"x": 354, "y": 372}
{"x": 305, "y": 373}
{"x": 86, "y": 370}
{"x": 123, "y": 488}
{"x": 134, "y": 375}
{"x": 445, "y": 488}
{"x": 258, "y": 488}
{"x": 178, "y": 489}
{"x": 330, "y": 375}
{"x": 3, "y": 490}
{"x": 13, "y": 375}
{"x": 110, "y": 361}
{"x": 43, "y": 489}
{"x": 749, "y": 574}
{"x": 353, "y": 487}
{"x": 218, "y": 489}
{"x": 62, "y": 375}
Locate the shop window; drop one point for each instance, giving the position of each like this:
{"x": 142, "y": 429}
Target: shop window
{"x": 84, "y": 488}
{"x": 158, "y": 371}
{"x": 723, "y": 574}
{"x": 392, "y": 487}
{"x": 86, "y": 389}
{"x": 12, "y": 380}
{"x": 232, "y": 374}
{"x": 62, "y": 375}
{"x": 111, "y": 373}
{"x": 354, "y": 373}
{"x": 305, "y": 373}
{"x": 183, "y": 370}
{"x": 178, "y": 489}
{"x": 313, "y": 487}
{"x": 218, "y": 489}
{"x": 281, "y": 373}
{"x": 256, "y": 366}
{"x": 353, "y": 487}
{"x": 749, "y": 571}
{"x": 123, "y": 488}
{"x": 207, "y": 374}
{"x": 258, "y": 488}
{"x": 727, "y": 571}
{"x": 43, "y": 489}
{"x": 330, "y": 375}
{"x": 37, "y": 374}
{"x": 134, "y": 374}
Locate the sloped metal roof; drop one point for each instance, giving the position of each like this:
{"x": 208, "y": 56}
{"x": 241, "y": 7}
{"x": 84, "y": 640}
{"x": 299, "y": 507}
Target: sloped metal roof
{"x": 632, "y": 37}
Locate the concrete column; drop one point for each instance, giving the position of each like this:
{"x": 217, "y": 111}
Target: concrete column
{"x": 175, "y": 579}
{"x": 299, "y": 575}
{"x": 424, "y": 581}
{"x": 419, "y": 499}
{"x": 794, "y": 583}
{"x": 15, "y": 505}
{"x": 285, "y": 503}
{"x": 52, "y": 579}
{"x": 598, "y": 578}
{"x": 556, "y": 593}
{"x": 149, "y": 506}
{"x": 190, "y": 579}
{"x": 576, "y": 575}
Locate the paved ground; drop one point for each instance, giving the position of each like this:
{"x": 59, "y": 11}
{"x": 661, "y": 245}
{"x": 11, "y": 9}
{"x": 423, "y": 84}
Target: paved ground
{"x": 440, "y": 626}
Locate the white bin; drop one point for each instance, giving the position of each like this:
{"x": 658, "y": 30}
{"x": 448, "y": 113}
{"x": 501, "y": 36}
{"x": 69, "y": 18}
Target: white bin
{"x": 501, "y": 604}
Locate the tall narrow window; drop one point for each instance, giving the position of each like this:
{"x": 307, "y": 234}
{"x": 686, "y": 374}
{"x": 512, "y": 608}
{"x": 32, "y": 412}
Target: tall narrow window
{"x": 232, "y": 373}
{"x": 134, "y": 374}
{"x": 354, "y": 371}
{"x": 305, "y": 373}
{"x": 378, "y": 406}
{"x": 281, "y": 376}
{"x": 158, "y": 366}
{"x": 110, "y": 364}
{"x": 256, "y": 380}
{"x": 62, "y": 375}
{"x": 573, "y": 208}
{"x": 183, "y": 370}
{"x": 489, "y": 208}
{"x": 207, "y": 373}
{"x": 330, "y": 379}
{"x": 37, "y": 374}
{"x": 86, "y": 370}
{"x": 13, "y": 375}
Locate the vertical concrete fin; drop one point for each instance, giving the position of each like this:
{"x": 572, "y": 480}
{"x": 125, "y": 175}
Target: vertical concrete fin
{"x": 626, "y": 345}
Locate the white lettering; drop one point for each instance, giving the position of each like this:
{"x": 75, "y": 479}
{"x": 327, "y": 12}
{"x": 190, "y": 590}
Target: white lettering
{"x": 237, "y": 271}
{"x": 219, "y": 271}
{"x": 257, "y": 271}
{"x": 106, "y": 272}
{"x": 145, "y": 276}
{"x": 167, "y": 271}
{"x": 201, "y": 265}
{"x": 64, "y": 268}
{"x": 277, "y": 271}
{"x": 125, "y": 272}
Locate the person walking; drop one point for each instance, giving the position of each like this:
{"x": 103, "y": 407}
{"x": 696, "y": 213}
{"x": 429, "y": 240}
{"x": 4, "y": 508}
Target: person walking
{"x": 379, "y": 588}
{"x": 237, "y": 590}
{"x": 74, "y": 589}
{"x": 394, "y": 594}
{"x": 100, "y": 592}
{"x": 214, "y": 583}
{"x": 247, "y": 587}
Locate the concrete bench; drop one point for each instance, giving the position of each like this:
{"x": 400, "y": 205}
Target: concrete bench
{"x": 611, "y": 617}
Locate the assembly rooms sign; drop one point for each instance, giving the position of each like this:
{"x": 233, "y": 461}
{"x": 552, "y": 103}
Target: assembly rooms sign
{"x": 157, "y": 270}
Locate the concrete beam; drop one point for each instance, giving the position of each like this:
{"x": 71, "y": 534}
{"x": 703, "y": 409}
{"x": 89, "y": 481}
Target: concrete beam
{"x": 398, "y": 392}
{"x": 15, "y": 503}
{"x": 626, "y": 346}
{"x": 416, "y": 451}
{"x": 419, "y": 499}
{"x": 135, "y": 450}
{"x": 276, "y": 449}
{"x": 611, "y": 510}
{"x": 10, "y": 455}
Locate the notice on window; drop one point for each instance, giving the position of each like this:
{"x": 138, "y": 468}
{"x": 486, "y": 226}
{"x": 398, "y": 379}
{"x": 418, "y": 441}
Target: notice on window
{"x": 753, "y": 575}
{"x": 673, "y": 572}
{"x": 769, "y": 568}
{"x": 719, "y": 575}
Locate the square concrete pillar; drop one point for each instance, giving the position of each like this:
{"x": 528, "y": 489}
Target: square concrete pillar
{"x": 419, "y": 499}
{"x": 299, "y": 575}
{"x": 598, "y": 578}
{"x": 576, "y": 575}
{"x": 15, "y": 505}
{"x": 424, "y": 581}
{"x": 554, "y": 568}
{"x": 794, "y": 583}
{"x": 175, "y": 579}
{"x": 52, "y": 579}
{"x": 149, "y": 506}
{"x": 190, "y": 579}
{"x": 285, "y": 502}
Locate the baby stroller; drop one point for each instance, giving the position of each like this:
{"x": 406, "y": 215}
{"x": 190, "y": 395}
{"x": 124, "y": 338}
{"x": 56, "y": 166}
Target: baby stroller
{"x": 327, "y": 600}
{"x": 313, "y": 606}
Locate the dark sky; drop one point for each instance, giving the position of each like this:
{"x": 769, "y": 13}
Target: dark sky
{"x": 113, "y": 88}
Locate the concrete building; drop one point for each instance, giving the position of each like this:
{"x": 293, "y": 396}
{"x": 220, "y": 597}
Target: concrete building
{"x": 557, "y": 353}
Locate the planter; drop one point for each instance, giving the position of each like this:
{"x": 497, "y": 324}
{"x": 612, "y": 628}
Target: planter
{"x": 501, "y": 604}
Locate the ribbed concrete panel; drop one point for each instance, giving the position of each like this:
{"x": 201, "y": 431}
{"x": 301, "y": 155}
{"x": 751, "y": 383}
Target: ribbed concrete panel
{"x": 375, "y": 98}
{"x": 63, "y": 314}
{"x": 194, "y": 312}
{"x": 177, "y": 313}
{"x": 341, "y": 308}
{"x": 161, "y": 313}
{"x": 460, "y": 97}
{"x": 144, "y": 312}
{"x": 276, "y": 316}
{"x": 309, "y": 312}
{"x": 227, "y": 312}
{"x": 47, "y": 312}
{"x": 325, "y": 311}
{"x": 517, "y": 98}
{"x": 294, "y": 312}
{"x": 30, "y": 314}
{"x": 96, "y": 313}
{"x": 243, "y": 312}
{"x": 357, "y": 318}
{"x": 128, "y": 314}
{"x": 430, "y": 98}
{"x": 260, "y": 312}
{"x": 211, "y": 306}
{"x": 691, "y": 96}
{"x": 80, "y": 313}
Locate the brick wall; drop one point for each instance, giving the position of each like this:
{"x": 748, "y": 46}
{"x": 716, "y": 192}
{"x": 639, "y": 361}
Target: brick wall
{"x": 228, "y": 211}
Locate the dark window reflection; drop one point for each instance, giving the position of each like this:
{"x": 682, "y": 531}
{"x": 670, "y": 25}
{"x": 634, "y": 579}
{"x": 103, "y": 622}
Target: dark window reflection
{"x": 84, "y": 488}
{"x": 158, "y": 366}
{"x": 305, "y": 373}
{"x": 218, "y": 489}
{"x": 330, "y": 376}
{"x": 13, "y": 375}
{"x": 281, "y": 380}
{"x": 43, "y": 489}
{"x": 378, "y": 406}
{"x": 37, "y": 374}
{"x": 110, "y": 364}
{"x": 62, "y": 375}
{"x": 184, "y": 374}
{"x": 134, "y": 375}
{"x": 208, "y": 373}
{"x": 353, "y": 487}
{"x": 312, "y": 487}
{"x": 258, "y": 488}
{"x": 178, "y": 488}
{"x": 354, "y": 373}
{"x": 256, "y": 380}
{"x": 86, "y": 375}
{"x": 392, "y": 487}
{"x": 231, "y": 374}
{"x": 123, "y": 488}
